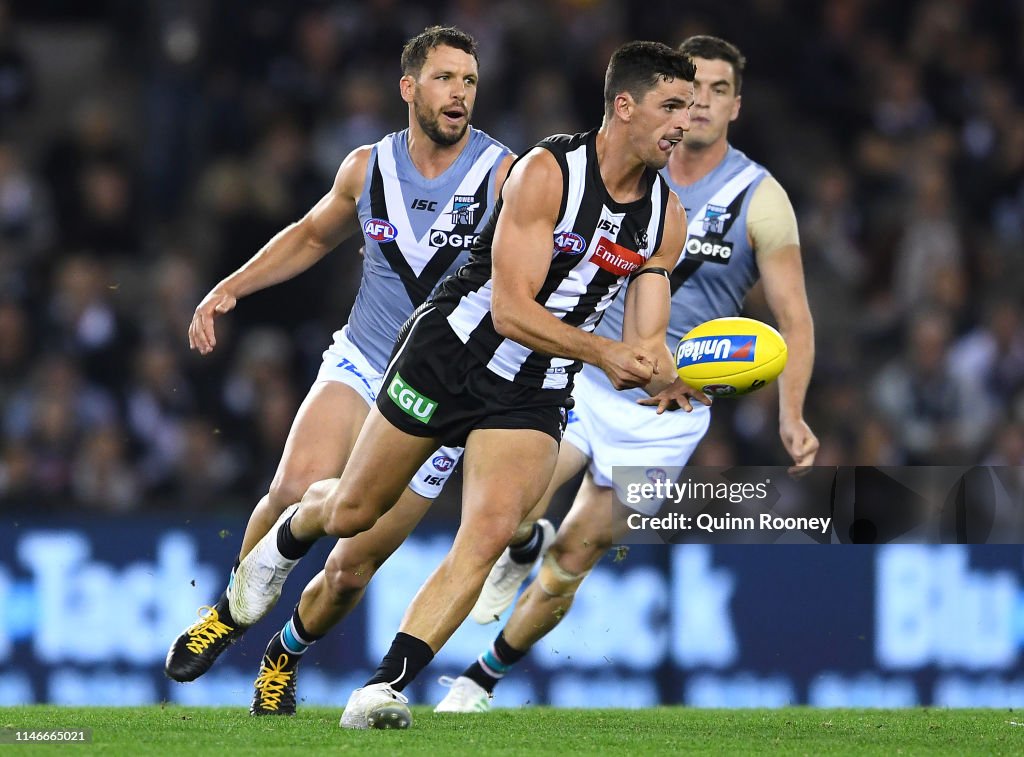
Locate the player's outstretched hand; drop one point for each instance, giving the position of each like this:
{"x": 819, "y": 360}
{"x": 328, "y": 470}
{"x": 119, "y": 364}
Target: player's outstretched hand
{"x": 628, "y": 366}
{"x": 800, "y": 443}
{"x": 201, "y": 335}
{"x": 676, "y": 396}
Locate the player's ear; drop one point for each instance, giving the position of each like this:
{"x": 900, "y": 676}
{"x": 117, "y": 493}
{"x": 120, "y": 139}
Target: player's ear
{"x": 407, "y": 86}
{"x": 623, "y": 106}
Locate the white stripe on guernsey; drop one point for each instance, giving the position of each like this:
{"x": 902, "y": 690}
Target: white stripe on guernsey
{"x": 419, "y": 252}
{"x": 472, "y": 309}
{"x": 656, "y": 216}
{"x": 576, "y": 186}
{"x": 408, "y": 338}
{"x": 723, "y": 197}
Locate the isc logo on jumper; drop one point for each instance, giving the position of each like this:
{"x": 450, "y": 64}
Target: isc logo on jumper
{"x": 442, "y": 463}
{"x": 379, "y": 230}
{"x": 570, "y": 242}
{"x": 410, "y": 401}
{"x": 716, "y": 349}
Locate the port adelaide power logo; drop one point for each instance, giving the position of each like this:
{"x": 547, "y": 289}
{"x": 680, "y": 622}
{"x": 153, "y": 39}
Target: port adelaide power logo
{"x": 712, "y": 248}
{"x": 463, "y": 213}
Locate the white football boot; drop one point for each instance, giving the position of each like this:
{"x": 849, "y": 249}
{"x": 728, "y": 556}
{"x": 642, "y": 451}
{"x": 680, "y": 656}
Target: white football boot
{"x": 505, "y": 579}
{"x": 256, "y": 585}
{"x": 376, "y": 706}
{"x": 464, "y": 695}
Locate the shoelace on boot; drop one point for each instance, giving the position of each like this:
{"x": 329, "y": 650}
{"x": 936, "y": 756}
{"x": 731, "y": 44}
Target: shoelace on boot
{"x": 272, "y": 681}
{"x": 207, "y": 630}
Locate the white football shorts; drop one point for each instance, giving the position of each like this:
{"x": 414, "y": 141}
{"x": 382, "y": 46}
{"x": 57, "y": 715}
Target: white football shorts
{"x": 344, "y": 362}
{"x": 609, "y": 428}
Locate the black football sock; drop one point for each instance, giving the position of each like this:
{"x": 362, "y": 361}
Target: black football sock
{"x": 492, "y": 665}
{"x": 529, "y": 550}
{"x": 403, "y": 662}
{"x": 290, "y": 547}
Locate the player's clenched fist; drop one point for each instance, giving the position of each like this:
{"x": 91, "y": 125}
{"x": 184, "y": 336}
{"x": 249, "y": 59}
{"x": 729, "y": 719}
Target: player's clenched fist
{"x": 628, "y": 366}
{"x": 201, "y": 335}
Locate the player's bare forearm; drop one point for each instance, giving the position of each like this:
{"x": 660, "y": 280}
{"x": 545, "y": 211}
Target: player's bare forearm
{"x": 528, "y": 322}
{"x": 290, "y": 252}
{"x": 796, "y": 377}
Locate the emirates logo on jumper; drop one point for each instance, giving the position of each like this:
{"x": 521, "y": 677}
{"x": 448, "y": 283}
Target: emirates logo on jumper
{"x": 616, "y": 258}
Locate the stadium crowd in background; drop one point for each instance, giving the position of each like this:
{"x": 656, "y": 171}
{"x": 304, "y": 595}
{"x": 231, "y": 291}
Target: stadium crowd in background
{"x": 147, "y": 149}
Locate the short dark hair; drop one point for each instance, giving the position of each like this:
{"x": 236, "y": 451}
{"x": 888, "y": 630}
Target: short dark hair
{"x": 636, "y": 67}
{"x": 715, "y": 48}
{"x": 416, "y": 50}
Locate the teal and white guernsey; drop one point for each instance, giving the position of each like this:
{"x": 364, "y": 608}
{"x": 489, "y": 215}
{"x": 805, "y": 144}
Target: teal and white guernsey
{"x": 717, "y": 266}
{"x": 417, "y": 232}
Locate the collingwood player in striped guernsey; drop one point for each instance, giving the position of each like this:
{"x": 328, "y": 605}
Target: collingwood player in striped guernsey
{"x": 489, "y": 360}
{"x": 741, "y": 227}
{"x": 420, "y": 197}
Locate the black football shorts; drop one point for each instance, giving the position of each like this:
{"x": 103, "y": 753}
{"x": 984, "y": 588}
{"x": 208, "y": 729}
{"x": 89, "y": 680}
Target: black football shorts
{"x": 435, "y": 387}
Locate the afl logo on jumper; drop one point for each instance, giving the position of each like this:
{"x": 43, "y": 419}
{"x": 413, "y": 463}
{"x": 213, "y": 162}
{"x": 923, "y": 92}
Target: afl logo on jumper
{"x": 379, "y": 230}
{"x": 442, "y": 463}
{"x": 570, "y": 243}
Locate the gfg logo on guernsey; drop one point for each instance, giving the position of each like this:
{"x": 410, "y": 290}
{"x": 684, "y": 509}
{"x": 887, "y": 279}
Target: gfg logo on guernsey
{"x": 442, "y": 463}
{"x": 412, "y": 402}
{"x": 715, "y": 253}
{"x": 716, "y": 349}
{"x": 379, "y": 230}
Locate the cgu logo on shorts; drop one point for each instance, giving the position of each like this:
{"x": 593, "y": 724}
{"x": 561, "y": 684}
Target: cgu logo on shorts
{"x": 716, "y": 349}
{"x": 410, "y": 401}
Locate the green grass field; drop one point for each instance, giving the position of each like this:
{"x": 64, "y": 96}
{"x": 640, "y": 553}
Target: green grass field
{"x": 664, "y": 730}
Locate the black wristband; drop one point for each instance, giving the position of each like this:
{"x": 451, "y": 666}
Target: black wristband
{"x": 642, "y": 271}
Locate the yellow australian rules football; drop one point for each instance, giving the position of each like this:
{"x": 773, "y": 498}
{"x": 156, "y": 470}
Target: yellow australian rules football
{"x": 727, "y": 357}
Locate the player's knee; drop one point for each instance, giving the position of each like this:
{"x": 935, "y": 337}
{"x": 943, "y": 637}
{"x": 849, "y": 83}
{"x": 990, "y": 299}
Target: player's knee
{"x": 285, "y": 492}
{"x": 348, "y": 574}
{"x": 481, "y": 547}
{"x": 347, "y": 519}
{"x": 556, "y": 581}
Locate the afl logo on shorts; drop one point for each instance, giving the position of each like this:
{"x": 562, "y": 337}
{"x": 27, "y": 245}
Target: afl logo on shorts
{"x": 379, "y": 230}
{"x": 442, "y": 463}
{"x": 570, "y": 243}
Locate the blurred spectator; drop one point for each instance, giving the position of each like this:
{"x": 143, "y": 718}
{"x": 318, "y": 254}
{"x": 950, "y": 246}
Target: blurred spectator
{"x": 991, "y": 357}
{"x": 17, "y": 79}
{"x": 102, "y": 476}
{"x": 82, "y": 320}
{"x": 933, "y": 414}
{"x": 15, "y": 349}
{"x": 159, "y": 400}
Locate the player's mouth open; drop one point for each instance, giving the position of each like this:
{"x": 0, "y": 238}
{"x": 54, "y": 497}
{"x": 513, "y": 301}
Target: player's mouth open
{"x": 455, "y": 114}
{"x": 667, "y": 144}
